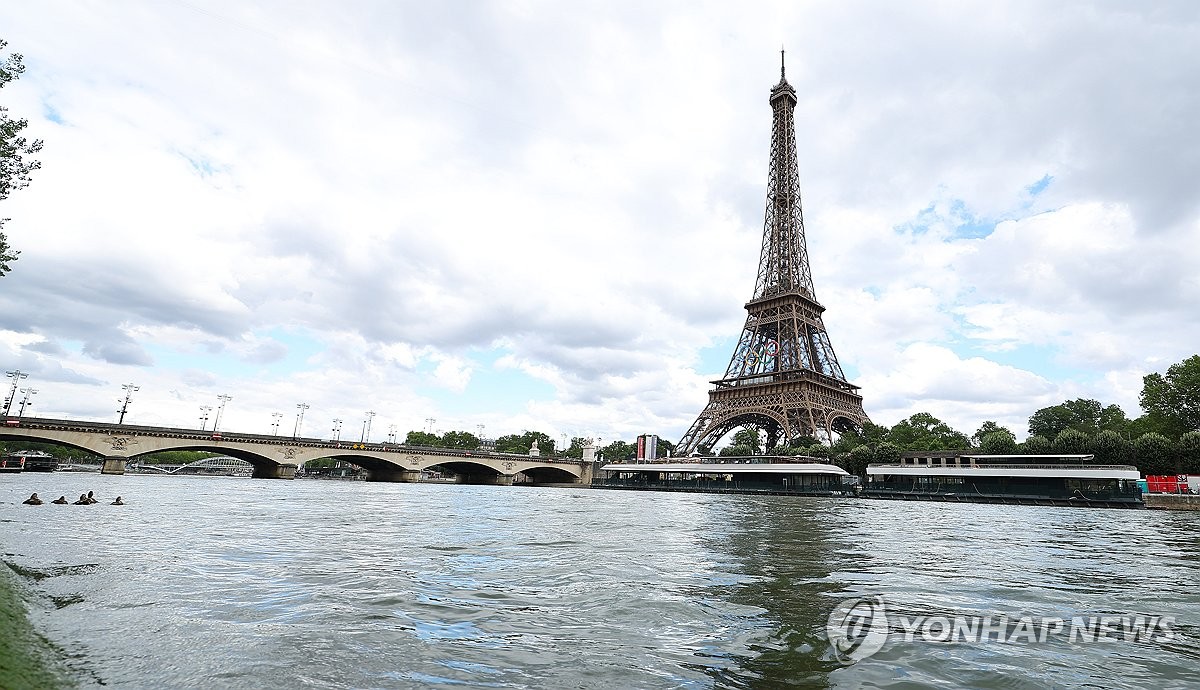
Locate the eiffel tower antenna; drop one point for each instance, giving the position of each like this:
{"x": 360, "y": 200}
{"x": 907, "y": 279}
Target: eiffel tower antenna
{"x": 784, "y": 376}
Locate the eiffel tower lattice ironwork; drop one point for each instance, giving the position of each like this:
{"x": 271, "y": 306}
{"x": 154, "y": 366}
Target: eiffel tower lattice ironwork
{"x": 784, "y": 377}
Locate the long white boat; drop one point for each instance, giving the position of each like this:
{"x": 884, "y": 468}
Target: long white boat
{"x": 1074, "y": 480}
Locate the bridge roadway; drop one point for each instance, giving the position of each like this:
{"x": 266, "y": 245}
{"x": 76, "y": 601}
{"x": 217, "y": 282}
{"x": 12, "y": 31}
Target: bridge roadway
{"x": 277, "y": 457}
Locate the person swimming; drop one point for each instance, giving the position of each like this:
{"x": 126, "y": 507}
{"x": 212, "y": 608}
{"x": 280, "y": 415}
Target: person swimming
{"x": 91, "y": 498}
{"x": 61, "y": 500}
{"x": 117, "y": 502}
{"x": 83, "y": 501}
{"x": 33, "y": 501}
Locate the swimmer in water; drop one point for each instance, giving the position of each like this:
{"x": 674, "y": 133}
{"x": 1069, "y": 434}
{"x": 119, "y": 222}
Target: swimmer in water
{"x": 91, "y": 498}
{"x": 33, "y": 501}
{"x": 117, "y": 502}
{"x": 61, "y": 500}
{"x": 83, "y": 501}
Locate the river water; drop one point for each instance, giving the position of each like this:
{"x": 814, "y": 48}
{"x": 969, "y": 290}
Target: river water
{"x": 242, "y": 583}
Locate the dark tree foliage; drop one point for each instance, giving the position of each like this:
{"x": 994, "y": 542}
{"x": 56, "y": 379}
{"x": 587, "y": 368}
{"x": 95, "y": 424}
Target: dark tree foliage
{"x": 923, "y": 431}
{"x": 1155, "y": 454}
{"x": 871, "y": 433}
{"x": 1081, "y": 414}
{"x": 1175, "y": 397}
{"x": 1189, "y": 452}
{"x": 1071, "y": 442}
{"x": 737, "y": 450}
{"x": 748, "y": 437}
{"x": 422, "y": 438}
{"x": 1036, "y": 445}
{"x": 1111, "y": 448}
{"x": 989, "y": 427}
{"x": 888, "y": 453}
{"x": 14, "y": 169}
{"x": 1000, "y": 442}
{"x": 617, "y": 451}
{"x": 857, "y": 460}
{"x": 521, "y": 443}
{"x": 462, "y": 440}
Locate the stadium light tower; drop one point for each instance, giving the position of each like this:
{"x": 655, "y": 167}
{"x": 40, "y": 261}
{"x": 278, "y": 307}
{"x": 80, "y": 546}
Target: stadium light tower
{"x": 366, "y": 434}
{"x": 25, "y": 400}
{"x": 299, "y": 419}
{"x": 217, "y": 420}
{"x": 129, "y": 389}
{"x": 16, "y": 376}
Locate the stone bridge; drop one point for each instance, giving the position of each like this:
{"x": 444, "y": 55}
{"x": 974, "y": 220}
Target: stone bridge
{"x": 278, "y": 457}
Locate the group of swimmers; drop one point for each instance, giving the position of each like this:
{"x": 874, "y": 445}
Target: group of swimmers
{"x": 84, "y": 500}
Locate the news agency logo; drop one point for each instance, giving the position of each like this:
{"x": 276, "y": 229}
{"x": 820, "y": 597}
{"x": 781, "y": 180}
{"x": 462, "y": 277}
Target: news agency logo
{"x": 858, "y": 628}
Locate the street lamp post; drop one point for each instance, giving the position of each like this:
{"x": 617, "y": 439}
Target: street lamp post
{"x": 129, "y": 389}
{"x": 16, "y": 376}
{"x": 366, "y": 435}
{"x": 337, "y": 430}
{"x": 275, "y": 417}
{"x": 217, "y": 420}
{"x": 25, "y": 400}
{"x": 431, "y": 421}
{"x": 299, "y": 419}
{"x": 204, "y": 410}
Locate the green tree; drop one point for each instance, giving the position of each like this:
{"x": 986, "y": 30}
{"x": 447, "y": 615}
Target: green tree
{"x": 888, "y": 453}
{"x": 923, "y": 431}
{"x": 1081, "y": 414}
{"x": 736, "y": 450}
{"x": 858, "y": 459}
{"x": 617, "y": 451}
{"x": 462, "y": 440}
{"x": 422, "y": 438}
{"x": 818, "y": 450}
{"x": 750, "y": 438}
{"x": 1189, "y": 452}
{"x": 1000, "y": 442}
{"x": 521, "y": 444}
{"x": 1154, "y": 422}
{"x": 1111, "y": 448}
{"x": 1036, "y": 445}
{"x": 1071, "y": 441}
{"x": 870, "y": 434}
{"x": 1154, "y": 454}
{"x": 14, "y": 169}
{"x": 989, "y": 427}
{"x": 1112, "y": 418}
{"x": 1176, "y": 396}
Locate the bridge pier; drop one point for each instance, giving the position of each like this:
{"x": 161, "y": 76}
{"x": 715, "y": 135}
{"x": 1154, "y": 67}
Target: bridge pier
{"x": 393, "y": 474}
{"x": 485, "y": 479}
{"x": 113, "y": 465}
{"x": 274, "y": 472}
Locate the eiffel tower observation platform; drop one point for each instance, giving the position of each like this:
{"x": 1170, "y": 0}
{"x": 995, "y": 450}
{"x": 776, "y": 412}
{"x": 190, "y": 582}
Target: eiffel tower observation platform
{"x": 783, "y": 377}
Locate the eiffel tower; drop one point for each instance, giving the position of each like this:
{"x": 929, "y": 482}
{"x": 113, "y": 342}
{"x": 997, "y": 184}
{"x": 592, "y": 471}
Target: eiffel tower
{"x": 783, "y": 377}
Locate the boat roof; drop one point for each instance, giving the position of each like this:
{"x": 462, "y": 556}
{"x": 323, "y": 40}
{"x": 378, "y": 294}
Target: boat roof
{"x": 729, "y": 467}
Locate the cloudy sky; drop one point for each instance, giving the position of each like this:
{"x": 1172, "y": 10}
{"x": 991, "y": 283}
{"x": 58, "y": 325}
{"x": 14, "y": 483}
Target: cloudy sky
{"x": 547, "y": 215}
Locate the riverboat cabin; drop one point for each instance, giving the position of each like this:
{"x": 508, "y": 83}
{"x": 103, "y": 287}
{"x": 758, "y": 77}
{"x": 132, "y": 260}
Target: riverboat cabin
{"x": 1074, "y": 480}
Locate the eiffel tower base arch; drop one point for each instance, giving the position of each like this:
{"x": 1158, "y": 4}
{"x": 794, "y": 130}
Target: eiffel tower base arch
{"x": 785, "y": 410}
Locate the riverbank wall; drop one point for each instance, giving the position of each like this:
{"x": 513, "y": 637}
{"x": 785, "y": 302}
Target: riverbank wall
{"x": 1172, "y": 501}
